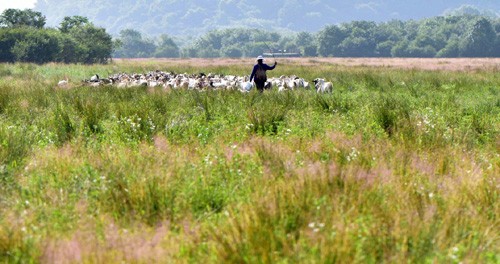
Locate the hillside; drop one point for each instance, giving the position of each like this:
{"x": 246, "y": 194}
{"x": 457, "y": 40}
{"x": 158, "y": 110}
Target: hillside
{"x": 195, "y": 17}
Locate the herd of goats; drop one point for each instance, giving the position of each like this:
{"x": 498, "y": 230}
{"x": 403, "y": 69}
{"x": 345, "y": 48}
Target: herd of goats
{"x": 202, "y": 81}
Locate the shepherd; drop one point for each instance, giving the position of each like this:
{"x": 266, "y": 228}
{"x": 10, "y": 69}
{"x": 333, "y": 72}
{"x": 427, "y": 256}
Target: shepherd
{"x": 259, "y": 73}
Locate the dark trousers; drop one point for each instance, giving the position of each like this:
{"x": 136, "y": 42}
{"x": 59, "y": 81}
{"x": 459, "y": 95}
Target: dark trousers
{"x": 260, "y": 84}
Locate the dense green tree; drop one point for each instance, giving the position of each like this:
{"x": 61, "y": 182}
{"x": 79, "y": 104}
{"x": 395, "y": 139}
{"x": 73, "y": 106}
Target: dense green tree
{"x": 38, "y": 46}
{"x": 478, "y": 40}
{"x": 451, "y": 50}
{"x": 255, "y": 49}
{"x": 8, "y": 38}
{"x": 77, "y": 41}
{"x": 411, "y": 29}
{"x": 261, "y": 35}
{"x": 71, "y": 22}
{"x": 232, "y": 52}
{"x": 212, "y": 39}
{"x": 70, "y": 50}
{"x": 22, "y": 18}
{"x": 310, "y": 50}
{"x": 304, "y": 39}
{"x": 95, "y": 44}
{"x": 134, "y": 46}
{"x": 406, "y": 49}
{"x": 358, "y": 40}
{"x": 306, "y": 44}
{"x": 383, "y": 49}
{"x": 400, "y": 49}
{"x": 189, "y": 52}
{"x": 238, "y": 36}
{"x": 209, "y": 53}
{"x": 27, "y": 44}
{"x": 357, "y": 47}
{"x": 287, "y": 44}
{"x": 429, "y": 34}
{"x": 393, "y": 31}
{"x": 386, "y": 35}
{"x": 496, "y": 26}
{"x": 495, "y": 52}
{"x": 329, "y": 40}
{"x": 166, "y": 48}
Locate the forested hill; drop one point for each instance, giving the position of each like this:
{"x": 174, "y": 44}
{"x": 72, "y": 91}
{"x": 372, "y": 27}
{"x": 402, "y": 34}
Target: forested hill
{"x": 195, "y": 17}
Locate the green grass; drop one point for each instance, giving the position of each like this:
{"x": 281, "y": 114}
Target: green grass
{"x": 394, "y": 166}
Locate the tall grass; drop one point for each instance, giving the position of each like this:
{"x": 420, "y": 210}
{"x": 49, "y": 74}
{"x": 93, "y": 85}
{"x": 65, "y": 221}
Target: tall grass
{"x": 394, "y": 166}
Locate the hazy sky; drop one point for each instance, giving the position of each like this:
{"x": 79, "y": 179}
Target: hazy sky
{"x": 19, "y": 4}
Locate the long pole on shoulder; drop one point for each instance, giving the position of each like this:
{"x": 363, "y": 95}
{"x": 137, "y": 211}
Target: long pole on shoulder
{"x": 272, "y": 53}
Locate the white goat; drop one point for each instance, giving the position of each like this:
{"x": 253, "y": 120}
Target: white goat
{"x": 322, "y": 86}
{"x": 94, "y": 78}
{"x": 63, "y": 83}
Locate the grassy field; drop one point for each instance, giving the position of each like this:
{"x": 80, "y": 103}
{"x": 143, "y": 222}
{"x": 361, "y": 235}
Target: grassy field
{"x": 397, "y": 165}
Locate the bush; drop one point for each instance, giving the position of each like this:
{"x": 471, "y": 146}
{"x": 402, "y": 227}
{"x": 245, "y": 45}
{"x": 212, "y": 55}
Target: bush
{"x": 84, "y": 45}
{"x": 96, "y": 44}
{"x": 38, "y": 46}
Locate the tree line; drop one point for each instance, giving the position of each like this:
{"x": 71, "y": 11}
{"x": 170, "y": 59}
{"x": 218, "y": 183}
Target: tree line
{"x": 457, "y": 35}
{"x": 196, "y": 17}
{"x": 450, "y": 36}
{"x": 24, "y": 38}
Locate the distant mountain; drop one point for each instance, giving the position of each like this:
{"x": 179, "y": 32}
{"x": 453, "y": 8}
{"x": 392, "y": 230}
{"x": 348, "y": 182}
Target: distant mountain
{"x": 195, "y": 17}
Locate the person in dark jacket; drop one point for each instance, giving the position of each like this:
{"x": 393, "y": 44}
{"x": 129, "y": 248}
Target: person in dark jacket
{"x": 259, "y": 73}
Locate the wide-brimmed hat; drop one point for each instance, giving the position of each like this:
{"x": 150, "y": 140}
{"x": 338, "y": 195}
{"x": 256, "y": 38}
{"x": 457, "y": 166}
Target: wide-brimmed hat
{"x": 260, "y": 57}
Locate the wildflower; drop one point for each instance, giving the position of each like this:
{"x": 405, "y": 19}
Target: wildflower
{"x": 353, "y": 155}
{"x": 316, "y": 227}
{"x": 454, "y": 252}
